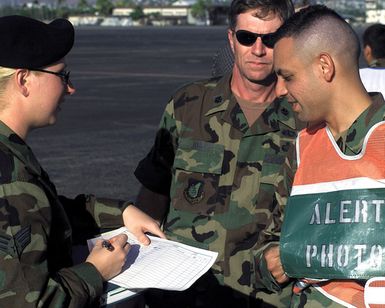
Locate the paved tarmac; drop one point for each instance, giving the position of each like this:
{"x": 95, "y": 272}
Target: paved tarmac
{"x": 124, "y": 77}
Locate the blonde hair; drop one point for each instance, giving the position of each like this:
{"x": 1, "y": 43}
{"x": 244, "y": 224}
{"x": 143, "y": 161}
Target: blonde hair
{"x": 5, "y": 74}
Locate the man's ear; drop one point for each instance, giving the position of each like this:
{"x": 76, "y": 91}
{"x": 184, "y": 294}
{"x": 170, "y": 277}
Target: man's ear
{"x": 326, "y": 66}
{"x": 22, "y": 81}
{"x": 367, "y": 53}
{"x": 230, "y": 37}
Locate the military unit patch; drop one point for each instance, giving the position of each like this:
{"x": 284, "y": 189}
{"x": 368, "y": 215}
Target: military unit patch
{"x": 194, "y": 192}
{"x": 218, "y": 99}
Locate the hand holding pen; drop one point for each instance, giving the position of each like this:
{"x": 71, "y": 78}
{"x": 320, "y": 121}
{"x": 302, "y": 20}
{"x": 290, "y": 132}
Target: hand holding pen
{"x": 107, "y": 244}
{"x": 109, "y": 256}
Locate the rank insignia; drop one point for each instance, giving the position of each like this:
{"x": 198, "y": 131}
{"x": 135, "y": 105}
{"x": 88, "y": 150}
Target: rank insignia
{"x": 194, "y": 191}
{"x": 218, "y": 99}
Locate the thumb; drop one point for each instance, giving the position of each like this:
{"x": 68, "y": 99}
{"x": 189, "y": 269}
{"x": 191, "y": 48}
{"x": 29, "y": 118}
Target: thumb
{"x": 153, "y": 227}
{"x": 142, "y": 238}
{"x": 156, "y": 231}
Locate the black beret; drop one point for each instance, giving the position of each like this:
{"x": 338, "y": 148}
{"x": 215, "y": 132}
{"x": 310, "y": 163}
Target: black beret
{"x": 29, "y": 43}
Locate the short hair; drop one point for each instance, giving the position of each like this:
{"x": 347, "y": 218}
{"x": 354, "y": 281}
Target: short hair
{"x": 326, "y": 25}
{"x": 283, "y": 8}
{"x": 374, "y": 37}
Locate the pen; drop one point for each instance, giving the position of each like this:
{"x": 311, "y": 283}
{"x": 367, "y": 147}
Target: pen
{"x": 106, "y": 244}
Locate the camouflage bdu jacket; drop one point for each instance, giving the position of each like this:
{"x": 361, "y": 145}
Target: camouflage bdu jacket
{"x": 222, "y": 176}
{"x": 350, "y": 144}
{"x": 36, "y": 235}
{"x": 377, "y": 63}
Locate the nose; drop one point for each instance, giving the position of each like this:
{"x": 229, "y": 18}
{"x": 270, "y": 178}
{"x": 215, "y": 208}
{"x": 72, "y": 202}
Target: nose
{"x": 280, "y": 87}
{"x": 70, "y": 88}
{"x": 258, "y": 48}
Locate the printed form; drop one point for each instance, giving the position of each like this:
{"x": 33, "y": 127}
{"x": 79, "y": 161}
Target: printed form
{"x": 164, "y": 264}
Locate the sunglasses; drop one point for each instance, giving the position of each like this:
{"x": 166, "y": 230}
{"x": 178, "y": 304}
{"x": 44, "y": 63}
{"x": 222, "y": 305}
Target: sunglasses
{"x": 64, "y": 75}
{"x": 247, "y": 38}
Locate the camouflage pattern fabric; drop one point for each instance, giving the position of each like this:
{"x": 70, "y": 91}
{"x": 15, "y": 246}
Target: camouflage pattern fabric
{"x": 222, "y": 178}
{"x": 350, "y": 143}
{"x": 377, "y": 63}
{"x": 36, "y": 235}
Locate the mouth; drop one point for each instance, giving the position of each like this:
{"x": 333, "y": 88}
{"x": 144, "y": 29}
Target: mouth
{"x": 258, "y": 63}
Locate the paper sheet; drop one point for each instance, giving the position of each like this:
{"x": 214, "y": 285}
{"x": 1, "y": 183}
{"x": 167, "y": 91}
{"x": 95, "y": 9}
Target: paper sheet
{"x": 163, "y": 264}
{"x": 115, "y": 294}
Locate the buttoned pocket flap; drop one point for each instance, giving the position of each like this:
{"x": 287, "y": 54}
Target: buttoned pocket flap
{"x": 199, "y": 156}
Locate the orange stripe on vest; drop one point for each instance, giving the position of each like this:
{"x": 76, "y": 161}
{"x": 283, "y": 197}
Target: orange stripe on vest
{"x": 316, "y": 149}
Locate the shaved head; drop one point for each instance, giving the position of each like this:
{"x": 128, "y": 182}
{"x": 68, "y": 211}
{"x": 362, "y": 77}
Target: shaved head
{"x": 316, "y": 60}
{"x": 318, "y": 29}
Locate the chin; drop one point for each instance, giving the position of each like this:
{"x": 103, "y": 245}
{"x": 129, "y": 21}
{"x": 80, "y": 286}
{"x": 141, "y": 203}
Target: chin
{"x": 262, "y": 78}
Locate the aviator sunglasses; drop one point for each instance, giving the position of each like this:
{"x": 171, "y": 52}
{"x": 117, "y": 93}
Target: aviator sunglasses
{"x": 247, "y": 38}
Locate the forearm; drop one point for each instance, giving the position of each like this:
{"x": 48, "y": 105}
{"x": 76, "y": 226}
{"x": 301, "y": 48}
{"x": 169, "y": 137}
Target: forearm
{"x": 83, "y": 285}
{"x": 269, "y": 270}
{"x": 26, "y": 282}
{"x": 90, "y": 215}
{"x": 268, "y": 240}
{"x": 153, "y": 204}
{"x": 154, "y": 172}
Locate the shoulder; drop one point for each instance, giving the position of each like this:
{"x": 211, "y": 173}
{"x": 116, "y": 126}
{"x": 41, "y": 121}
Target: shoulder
{"x": 201, "y": 85}
{"x": 196, "y": 91}
{"x": 12, "y": 169}
{"x": 8, "y": 165}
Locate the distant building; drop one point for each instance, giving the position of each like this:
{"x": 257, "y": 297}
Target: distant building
{"x": 375, "y": 16}
{"x": 375, "y": 11}
{"x": 171, "y": 15}
{"x": 179, "y": 13}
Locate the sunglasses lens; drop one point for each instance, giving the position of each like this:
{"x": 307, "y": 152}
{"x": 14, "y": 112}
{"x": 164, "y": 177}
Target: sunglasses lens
{"x": 268, "y": 40}
{"x": 245, "y": 38}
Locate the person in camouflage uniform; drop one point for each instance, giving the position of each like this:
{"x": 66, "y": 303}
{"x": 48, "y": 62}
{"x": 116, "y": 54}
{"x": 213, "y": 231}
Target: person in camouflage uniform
{"x": 374, "y": 45}
{"x": 37, "y": 227}
{"x": 221, "y": 143}
{"x": 321, "y": 81}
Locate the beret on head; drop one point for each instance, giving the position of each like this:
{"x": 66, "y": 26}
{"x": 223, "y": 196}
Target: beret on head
{"x": 29, "y": 43}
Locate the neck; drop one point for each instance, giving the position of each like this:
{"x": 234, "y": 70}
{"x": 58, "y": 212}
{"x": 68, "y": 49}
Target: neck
{"x": 262, "y": 91}
{"x": 340, "y": 120}
{"x": 14, "y": 123}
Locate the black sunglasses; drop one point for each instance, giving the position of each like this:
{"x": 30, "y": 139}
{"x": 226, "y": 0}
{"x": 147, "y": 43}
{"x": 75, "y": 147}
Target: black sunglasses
{"x": 247, "y": 38}
{"x": 64, "y": 75}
